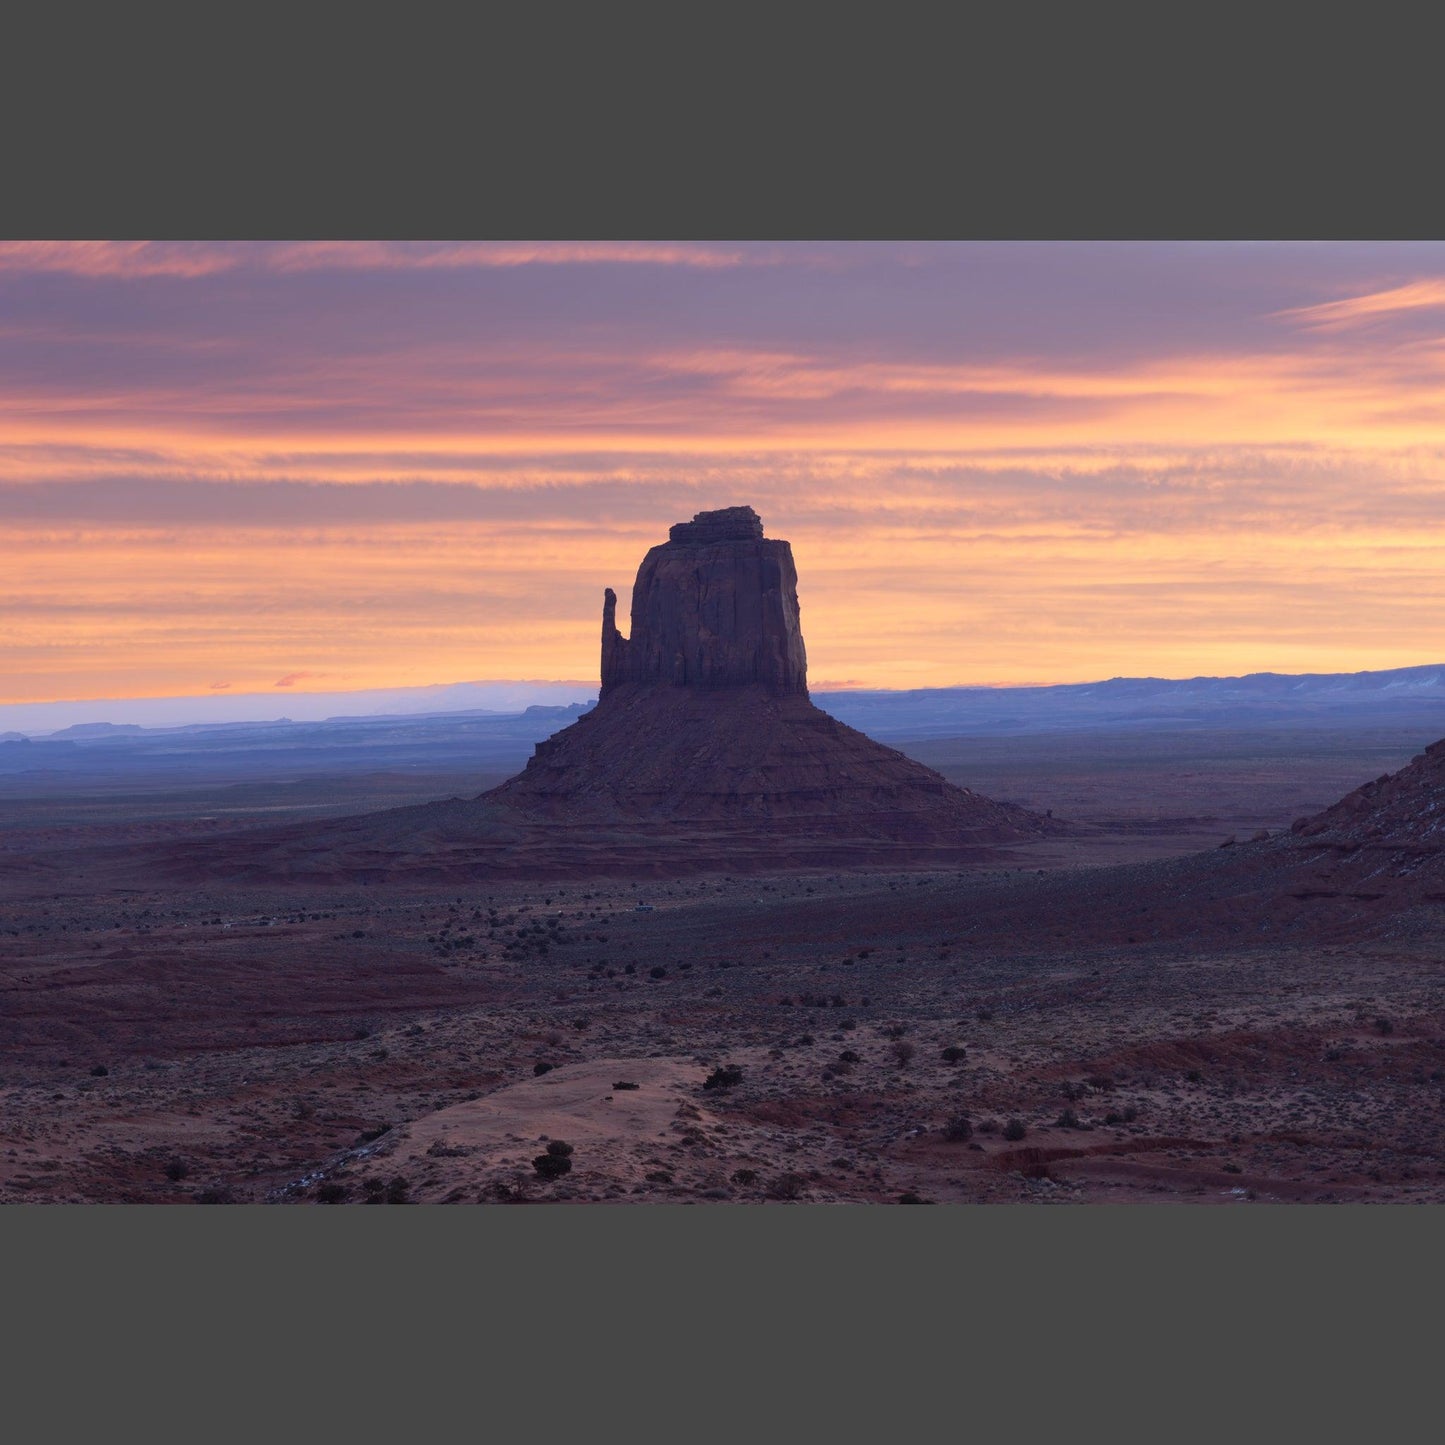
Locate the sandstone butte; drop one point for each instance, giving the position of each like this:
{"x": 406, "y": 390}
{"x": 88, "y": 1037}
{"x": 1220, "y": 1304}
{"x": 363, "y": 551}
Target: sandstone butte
{"x": 704, "y": 754}
{"x": 703, "y": 717}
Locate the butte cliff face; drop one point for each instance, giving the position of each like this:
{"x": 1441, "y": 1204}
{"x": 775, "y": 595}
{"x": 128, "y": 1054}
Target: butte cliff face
{"x": 715, "y": 606}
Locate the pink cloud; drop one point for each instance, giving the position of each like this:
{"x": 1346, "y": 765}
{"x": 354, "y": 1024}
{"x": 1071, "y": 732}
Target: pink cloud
{"x": 133, "y": 259}
{"x": 1423, "y": 295}
{"x": 292, "y": 678}
{"x": 218, "y": 686}
{"x": 114, "y": 258}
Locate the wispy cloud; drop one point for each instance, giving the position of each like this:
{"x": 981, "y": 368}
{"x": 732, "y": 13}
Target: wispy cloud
{"x": 194, "y": 259}
{"x": 1423, "y": 295}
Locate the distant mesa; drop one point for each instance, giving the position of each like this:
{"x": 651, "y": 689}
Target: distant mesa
{"x": 98, "y": 730}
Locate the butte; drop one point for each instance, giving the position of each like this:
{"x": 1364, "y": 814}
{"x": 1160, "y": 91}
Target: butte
{"x": 704, "y": 754}
{"x": 705, "y": 736}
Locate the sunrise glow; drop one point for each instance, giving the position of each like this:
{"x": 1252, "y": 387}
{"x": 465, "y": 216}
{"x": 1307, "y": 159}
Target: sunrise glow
{"x": 345, "y": 465}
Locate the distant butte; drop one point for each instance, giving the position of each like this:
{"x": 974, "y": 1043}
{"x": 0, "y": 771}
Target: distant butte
{"x": 704, "y": 718}
{"x": 704, "y": 754}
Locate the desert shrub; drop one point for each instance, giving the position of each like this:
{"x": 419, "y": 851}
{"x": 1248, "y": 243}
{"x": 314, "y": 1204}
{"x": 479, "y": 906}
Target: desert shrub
{"x": 541, "y": 1068}
{"x": 330, "y": 1193}
{"x": 397, "y": 1191}
{"x": 983, "y": 1015}
{"x": 988, "y": 1126}
{"x": 903, "y": 1051}
{"x": 726, "y": 1077}
{"x": 848, "y": 1057}
{"x": 894, "y": 1031}
{"x": 624, "y": 1084}
{"x": 805, "y": 1041}
{"x": 1194, "y": 1076}
{"x": 1383, "y": 1025}
{"x": 959, "y": 1129}
{"x": 1015, "y": 1129}
{"x": 911, "y": 1198}
{"x": 552, "y": 1166}
{"x": 1102, "y": 1082}
{"x": 560, "y": 1147}
{"x": 1067, "y": 1120}
{"x": 657, "y": 971}
{"x": 99, "y": 1071}
{"x": 1071, "y": 1090}
{"x": 217, "y": 1195}
{"x": 367, "y": 1135}
{"x": 953, "y": 1054}
{"x": 745, "y": 1176}
{"x": 581, "y": 1022}
{"x": 787, "y": 1186}
{"x": 177, "y": 1170}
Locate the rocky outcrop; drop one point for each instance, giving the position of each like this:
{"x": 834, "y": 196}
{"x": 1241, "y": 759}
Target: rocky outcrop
{"x": 715, "y": 606}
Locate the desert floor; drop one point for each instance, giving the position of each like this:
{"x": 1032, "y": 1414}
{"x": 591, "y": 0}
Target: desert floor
{"x": 377, "y": 1045}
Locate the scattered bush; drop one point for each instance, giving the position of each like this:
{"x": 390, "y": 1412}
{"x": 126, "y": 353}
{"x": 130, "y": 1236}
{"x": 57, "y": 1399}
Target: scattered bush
{"x": 658, "y": 1176}
{"x": 330, "y": 1193}
{"x": 624, "y": 1084}
{"x": 397, "y": 1191}
{"x": 911, "y": 1198}
{"x": 1384, "y": 1026}
{"x": 1015, "y": 1129}
{"x": 787, "y": 1186}
{"x": 218, "y": 1195}
{"x": 177, "y": 1170}
{"x": 99, "y": 1071}
{"x": 1067, "y": 1120}
{"x": 657, "y": 971}
{"x": 984, "y": 1015}
{"x": 903, "y": 1051}
{"x": 745, "y": 1176}
{"x": 848, "y": 1057}
{"x": 953, "y": 1054}
{"x": 958, "y": 1130}
{"x": 726, "y": 1077}
{"x": 541, "y": 1068}
{"x": 559, "y": 1147}
{"x": 552, "y": 1166}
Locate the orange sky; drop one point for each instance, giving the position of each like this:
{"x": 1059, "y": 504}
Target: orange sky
{"x": 357, "y": 465}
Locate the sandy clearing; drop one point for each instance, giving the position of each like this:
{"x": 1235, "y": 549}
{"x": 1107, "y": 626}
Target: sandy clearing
{"x": 613, "y": 1131}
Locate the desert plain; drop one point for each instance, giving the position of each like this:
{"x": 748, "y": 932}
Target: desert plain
{"x": 1016, "y": 1031}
